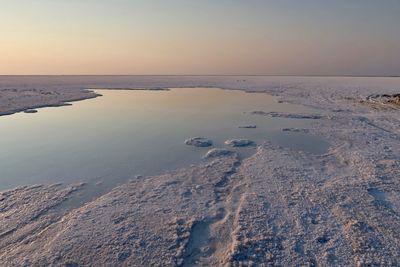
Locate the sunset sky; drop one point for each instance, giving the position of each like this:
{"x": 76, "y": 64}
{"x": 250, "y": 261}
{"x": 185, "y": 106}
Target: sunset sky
{"x": 286, "y": 37}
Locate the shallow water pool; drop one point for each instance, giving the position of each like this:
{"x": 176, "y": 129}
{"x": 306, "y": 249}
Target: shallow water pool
{"x": 110, "y": 139}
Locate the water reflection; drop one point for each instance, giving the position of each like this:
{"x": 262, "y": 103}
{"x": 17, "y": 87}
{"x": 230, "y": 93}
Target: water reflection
{"x": 122, "y": 134}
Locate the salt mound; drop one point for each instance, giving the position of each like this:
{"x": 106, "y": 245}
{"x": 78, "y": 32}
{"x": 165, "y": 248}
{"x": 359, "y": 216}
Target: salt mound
{"x": 217, "y": 152}
{"x": 385, "y": 99}
{"x": 239, "y": 142}
{"x": 198, "y": 142}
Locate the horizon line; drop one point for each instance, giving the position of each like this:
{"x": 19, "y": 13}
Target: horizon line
{"x": 212, "y": 75}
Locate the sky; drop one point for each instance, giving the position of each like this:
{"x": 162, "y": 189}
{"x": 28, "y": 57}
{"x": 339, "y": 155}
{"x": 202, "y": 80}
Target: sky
{"x": 207, "y": 37}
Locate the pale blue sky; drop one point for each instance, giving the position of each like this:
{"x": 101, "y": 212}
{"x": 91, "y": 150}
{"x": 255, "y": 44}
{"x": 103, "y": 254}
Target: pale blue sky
{"x": 308, "y": 37}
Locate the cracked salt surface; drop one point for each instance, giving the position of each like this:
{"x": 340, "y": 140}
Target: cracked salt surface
{"x": 111, "y": 139}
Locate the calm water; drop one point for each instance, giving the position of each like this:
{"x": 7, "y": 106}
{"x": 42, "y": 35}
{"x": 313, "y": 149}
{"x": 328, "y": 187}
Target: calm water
{"x": 113, "y": 138}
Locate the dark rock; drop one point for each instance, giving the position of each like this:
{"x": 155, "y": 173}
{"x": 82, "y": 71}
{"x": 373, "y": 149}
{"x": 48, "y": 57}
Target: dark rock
{"x": 30, "y": 111}
{"x": 248, "y": 126}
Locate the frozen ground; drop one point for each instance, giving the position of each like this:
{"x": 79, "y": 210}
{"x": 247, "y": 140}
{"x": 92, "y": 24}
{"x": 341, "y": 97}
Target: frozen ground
{"x": 276, "y": 208}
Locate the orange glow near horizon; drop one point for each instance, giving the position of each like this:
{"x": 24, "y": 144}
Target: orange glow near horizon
{"x": 185, "y": 37}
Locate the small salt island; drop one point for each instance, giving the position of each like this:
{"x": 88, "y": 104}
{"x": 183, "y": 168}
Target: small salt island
{"x": 198, "y": 142}
{"x": 239, "y": 142}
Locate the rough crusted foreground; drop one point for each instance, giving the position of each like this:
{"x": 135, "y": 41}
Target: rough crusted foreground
{"x": 277, "y": 208}
{"x": 158, "y": 221}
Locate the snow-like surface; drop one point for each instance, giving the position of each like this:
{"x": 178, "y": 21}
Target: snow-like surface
{"x": 278, "y": 207}
{"x": 21, "y": 99}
